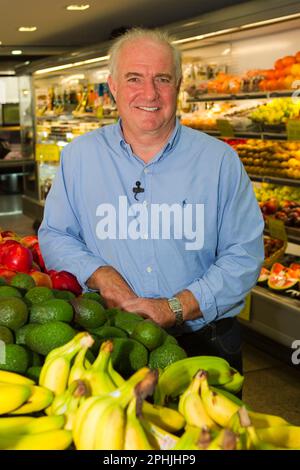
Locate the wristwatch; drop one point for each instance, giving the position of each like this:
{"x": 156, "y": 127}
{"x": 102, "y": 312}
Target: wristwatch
{"x": 176, "y": 308}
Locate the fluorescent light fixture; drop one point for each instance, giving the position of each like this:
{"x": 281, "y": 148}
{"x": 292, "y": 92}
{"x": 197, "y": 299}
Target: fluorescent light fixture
{"x": 7, "y": 72}
{"x": 238, "y": 28}
{"x": 27, "y": 29}
{"x": 77, "y": 7}
{"x": 271, "y": 21}
{"x": 0, "y": 43}
{"x": 204, "y": 36}
{"x": 73, "y": 64}
{"x": 17, "y": 52}
{"x": 27, "y": 62}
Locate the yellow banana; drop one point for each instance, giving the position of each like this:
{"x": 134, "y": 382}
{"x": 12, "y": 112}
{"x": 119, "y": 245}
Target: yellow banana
{"x": 281, "y": 436}
{"x": 110, "y": 429}
{"x": 86, "y": 434}
{"x": 115, "y": 376}
{"x": 166, "y": 418}
{"x": 263, "y": 420}
{"x": 49, "y": 440}
{"x": 11, "y": 425}
{"x": 79, "y": 366}
{"x": 12, "y": 396}
{"x": 68, "y": 403}
{"x": 54, "y": 375}
{"x": 39, "y": 399}
{"x": 159, "y": 438}
{"x": 255, "y": 443}
{"x": 236, "y": 382}
{"x": 55, "y": 372}
{"x": 225, "y": 440}
{"x": 135, "y": 436}
{"x": 13, "y": 378}
{"x": 177, "y": 376}
{"x": 97, "y": 375}
{"x": 80, "y": 417}
{"x": 194, "y": 438}
{"x": 218, "y": 406}
{"x": 192, "y": 408}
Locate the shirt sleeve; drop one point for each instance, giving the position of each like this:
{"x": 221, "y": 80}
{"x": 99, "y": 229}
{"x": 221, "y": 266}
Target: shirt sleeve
{"x": 240, "y": 247}
{"x": 61, "y": 242}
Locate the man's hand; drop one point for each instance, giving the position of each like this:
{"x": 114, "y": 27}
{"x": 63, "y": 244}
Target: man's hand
{"x": 112, "y": 286}
{"x": 157, "y": 310}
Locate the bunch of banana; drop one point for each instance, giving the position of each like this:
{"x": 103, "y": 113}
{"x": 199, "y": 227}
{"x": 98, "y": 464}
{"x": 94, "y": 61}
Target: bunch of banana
{"x": 176, "y": 377}
{"x": 94, "y": 427}
{"x": 101, "y": 376}
{"x": 27, "y": 433}
{"x": 55, "y": 371}
{"x": 68, "y": 403}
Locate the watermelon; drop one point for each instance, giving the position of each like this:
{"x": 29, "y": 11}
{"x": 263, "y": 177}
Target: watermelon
{"x": 264, "y": 275}
{"x": 282, "y": 278}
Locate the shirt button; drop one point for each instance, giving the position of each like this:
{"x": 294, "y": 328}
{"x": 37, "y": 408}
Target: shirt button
{"x": 149, "y": 269}
{"x": 146, "y": 170}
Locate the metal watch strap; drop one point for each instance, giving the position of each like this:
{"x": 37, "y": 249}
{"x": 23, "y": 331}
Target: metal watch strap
{"x": 176, "y": 308}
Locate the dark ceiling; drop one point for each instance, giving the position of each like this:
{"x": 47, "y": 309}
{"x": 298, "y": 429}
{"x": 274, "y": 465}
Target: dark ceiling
{"x": 59, "y": 31}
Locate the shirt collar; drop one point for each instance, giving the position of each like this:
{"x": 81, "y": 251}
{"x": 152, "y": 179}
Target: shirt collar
{"x": 166, "y": 149}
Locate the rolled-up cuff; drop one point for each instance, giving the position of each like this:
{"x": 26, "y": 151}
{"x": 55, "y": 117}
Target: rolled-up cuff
{"x": 205, "y": 299}
{"x": 90, "y": 266}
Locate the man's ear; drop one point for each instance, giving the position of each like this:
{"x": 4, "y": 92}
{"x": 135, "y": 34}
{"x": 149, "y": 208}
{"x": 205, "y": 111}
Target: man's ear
{"x": 112, "y": 86}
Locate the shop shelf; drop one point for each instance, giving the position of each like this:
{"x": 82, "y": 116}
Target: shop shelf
{"x": 276, "y": 180}
{"x": 242, "y": 96}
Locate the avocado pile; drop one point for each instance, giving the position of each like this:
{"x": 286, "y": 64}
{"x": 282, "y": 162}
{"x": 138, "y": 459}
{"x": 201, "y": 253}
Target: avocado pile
{"x": 35, "y": 320}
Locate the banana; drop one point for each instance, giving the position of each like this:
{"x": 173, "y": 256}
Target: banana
{"x": 177, "y": 376}
{"x": 48, "y": 440}
{"x": 236, "y": 382}
{"x": 13, "y": 378}
{"x": 110, "y": 429}
{"x": 12, "y": 396}
{"x": 55, "y": 371}
{"x": 166, "y": 418}
{"x": 97, "y": 375}
{"x": 115, "y": 376}
{"x": 192, "y": 408}
{"x": 263, "y": 420}
{"x": 39, "y": 399}
{"x": 218, "y": 406}
{"x": 135, "y": 436}
{"x": 79, "y": 366}
{"x": 281, "y": 436}
{"x": 8, "y": 425}
{"x": 225, "y": 440}
{"x": 42, "y": 424}
{"x": 90, "y": 412}
{"x": 194, "y": 438}
{"x": 86, "y": 433}
{"x": 68, "y": 403}
{"x": 158, "y": 437}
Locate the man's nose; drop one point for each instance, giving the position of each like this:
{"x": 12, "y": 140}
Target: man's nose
{"x": 150, "y": 89}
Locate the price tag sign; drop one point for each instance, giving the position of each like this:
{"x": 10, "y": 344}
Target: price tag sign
{"x": 293, "y": 129}
{"x": 277, "y": 229}
{"x": 245, "y": 313}
{"x": 225, "y": 128}
{"x": 47, "y": 152}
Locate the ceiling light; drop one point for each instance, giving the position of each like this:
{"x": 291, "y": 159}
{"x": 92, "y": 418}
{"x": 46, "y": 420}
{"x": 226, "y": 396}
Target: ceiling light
{"x": 271, "y": 21}
{"x": 226, "y": 51}
{"x": 27, "y": 29}
{"x": 74, "y": 64}
{"x": 77, "y": 7}
{"x": 0, "y": 43}
{"x": 17, "y": 52}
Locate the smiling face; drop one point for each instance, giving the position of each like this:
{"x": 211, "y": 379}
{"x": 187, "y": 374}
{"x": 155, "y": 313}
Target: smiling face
{"x": 145, "y": 88}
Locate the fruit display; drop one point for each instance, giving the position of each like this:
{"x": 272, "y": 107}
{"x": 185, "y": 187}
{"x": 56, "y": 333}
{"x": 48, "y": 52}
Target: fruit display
{"x": 84, "y": 406}
{"x": 271, "y": 246}
{"x": 272, "y": 158}
{"x": 282, "y": 202}
{"x": 276, "y": 112}
{"x": 282, "y": 277}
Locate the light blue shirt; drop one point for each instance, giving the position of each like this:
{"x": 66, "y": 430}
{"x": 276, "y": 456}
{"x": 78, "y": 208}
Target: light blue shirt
{"x": 99, "y": 169}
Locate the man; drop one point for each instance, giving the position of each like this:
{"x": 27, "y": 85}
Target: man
{"x": 160, "y": 218}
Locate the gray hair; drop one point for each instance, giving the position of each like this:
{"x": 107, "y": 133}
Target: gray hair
{"x": 156, "y": 35}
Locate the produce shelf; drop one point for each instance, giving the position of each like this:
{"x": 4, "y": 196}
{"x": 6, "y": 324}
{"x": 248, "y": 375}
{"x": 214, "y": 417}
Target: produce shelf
{"x": 293, "y": 234}
{"x": 242, "y": 96}
{"x": 276, "y": 180}
{"x": 249, "y": 135}
{"x": 275, "y": 316}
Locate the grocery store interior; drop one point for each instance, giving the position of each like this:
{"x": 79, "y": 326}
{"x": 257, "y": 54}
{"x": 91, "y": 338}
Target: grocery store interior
{"x": 241, "y": 82}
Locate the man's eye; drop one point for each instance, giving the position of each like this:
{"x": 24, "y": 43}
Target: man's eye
{"x": 133, "y": 79}
{"x": 163, "y": 80}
